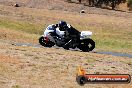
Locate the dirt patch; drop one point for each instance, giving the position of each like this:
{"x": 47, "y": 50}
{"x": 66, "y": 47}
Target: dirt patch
{"x": 70, "y": 7}
{"x": 57, "y": 68}
{"x": 9, "y": 59}
{"x": 48, "y": 67}
{"x": 51, "y": 67}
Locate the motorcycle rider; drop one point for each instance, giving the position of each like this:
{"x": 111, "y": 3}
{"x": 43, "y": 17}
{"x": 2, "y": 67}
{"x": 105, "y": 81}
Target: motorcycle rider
{"x": 53, "y": 32}
{"x": 74, "y": 38}
{"x": 71, "y": 34}
{"x": 50, "y": 28}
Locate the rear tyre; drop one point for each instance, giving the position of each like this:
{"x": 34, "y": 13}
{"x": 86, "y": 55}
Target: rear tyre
{"x": 66, "y": 47}
{"x": 42, "y": 42}
{"x": 87, "y": 45}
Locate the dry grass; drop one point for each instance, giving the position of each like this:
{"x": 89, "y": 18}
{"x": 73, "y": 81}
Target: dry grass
{"x": 28, "y": 67}
{"x": 110, "y": 33}
{"x": 55, "y": 69}
{"x": 8, "y": 59}
{"x": 17, "y": 36}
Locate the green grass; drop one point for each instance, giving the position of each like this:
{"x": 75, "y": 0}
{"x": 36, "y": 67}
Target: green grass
{"x": 113, "y": 44}
{"x": 106, "y": 39}
{"x": 111, "y": 38}
{"x": 129, "y": 2}
{"x": 21, "y": 26}
{"x": 16, "y": 86}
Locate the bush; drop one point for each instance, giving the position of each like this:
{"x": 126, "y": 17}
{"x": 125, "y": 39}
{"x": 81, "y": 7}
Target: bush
{"x": 129, "y": 2}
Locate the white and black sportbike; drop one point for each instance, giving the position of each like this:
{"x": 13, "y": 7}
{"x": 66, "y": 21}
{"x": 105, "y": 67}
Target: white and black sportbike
{"x": 67, "y": 39}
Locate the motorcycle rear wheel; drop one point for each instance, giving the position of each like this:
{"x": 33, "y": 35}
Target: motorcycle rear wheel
{"x": 87, "y": 45}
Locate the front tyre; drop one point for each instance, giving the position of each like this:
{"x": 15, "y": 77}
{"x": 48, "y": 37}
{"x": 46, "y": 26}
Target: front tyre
{"x": 87, "y": 45}
{"x": 42, "y": 42}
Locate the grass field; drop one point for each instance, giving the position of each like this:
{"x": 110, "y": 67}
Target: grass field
{"x": 31, "y": 67}
{"x": 109, "y": 33}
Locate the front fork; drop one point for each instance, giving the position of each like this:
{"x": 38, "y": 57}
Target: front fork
{"x": 51, "y": 38}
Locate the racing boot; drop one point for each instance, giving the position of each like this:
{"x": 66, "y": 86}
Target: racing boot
{"x": 67, "y": 45}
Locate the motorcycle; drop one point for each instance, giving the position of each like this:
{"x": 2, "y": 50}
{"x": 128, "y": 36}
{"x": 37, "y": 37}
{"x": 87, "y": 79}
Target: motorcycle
{"x": 85, "y": 42}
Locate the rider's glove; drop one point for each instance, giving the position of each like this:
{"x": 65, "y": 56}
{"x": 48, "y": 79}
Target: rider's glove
{"x": 56, "y": 25}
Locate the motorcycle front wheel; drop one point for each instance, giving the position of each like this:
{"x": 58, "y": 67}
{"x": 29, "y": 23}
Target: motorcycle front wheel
{"x": 87, "y": 45}
{"x": 42, "y": 41}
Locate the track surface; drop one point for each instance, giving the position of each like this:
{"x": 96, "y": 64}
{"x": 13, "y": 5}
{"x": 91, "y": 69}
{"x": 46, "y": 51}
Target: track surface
{"x": 108, "y": 53}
